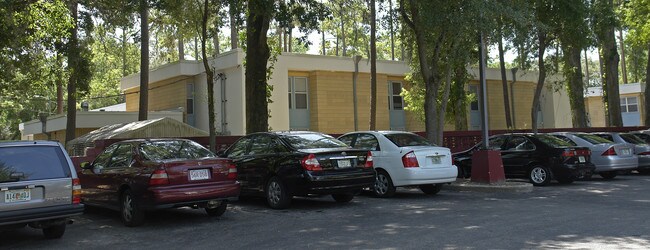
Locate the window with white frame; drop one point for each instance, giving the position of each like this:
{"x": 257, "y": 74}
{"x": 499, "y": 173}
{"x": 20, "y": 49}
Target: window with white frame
{"x": 629, "y": 104}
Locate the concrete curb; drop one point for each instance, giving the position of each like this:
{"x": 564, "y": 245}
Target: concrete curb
{"x": 507, "y": 187}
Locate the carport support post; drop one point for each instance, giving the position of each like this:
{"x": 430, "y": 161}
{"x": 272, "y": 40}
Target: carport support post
{"x": 487, "y": 165}
{"x": 356, "y": 60}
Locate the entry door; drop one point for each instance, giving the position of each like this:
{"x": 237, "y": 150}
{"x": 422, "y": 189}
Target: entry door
{"x": 474, "y": 112}
{"x": 630, "y": 111}
{"x": 396, "y": 106}
{"x": 298, "y": 103}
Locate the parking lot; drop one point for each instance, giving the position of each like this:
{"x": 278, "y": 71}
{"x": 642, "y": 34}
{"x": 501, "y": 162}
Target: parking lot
{"x": 587, "y": 214}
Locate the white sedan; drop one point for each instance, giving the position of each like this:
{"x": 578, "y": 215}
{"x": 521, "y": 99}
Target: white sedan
{"x": 404, "y": 159}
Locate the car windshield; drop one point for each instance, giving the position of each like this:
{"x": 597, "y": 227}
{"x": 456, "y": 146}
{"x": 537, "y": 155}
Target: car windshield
{"x": 312, "y": 140}
{"x": 173, "y": 149}
{"x": 630, "y": 138}
{"x": 593, "y": 139}
{"x": 22, "y": 163}
{"x": 407, "y": 140}
{"x": 552, "y": 141}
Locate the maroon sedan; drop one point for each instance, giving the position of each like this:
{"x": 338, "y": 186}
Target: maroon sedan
{"x": 144, "y": 174}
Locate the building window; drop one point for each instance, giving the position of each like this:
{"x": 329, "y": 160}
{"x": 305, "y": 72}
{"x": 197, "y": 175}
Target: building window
{"x": 396, "y": 101}
{"x": 629, "y": 104}
{"x": 298, "y": 93}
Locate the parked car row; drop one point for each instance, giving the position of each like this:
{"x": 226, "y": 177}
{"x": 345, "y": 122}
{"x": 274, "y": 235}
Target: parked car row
{"x": 41, "y": 187}
{"x": 564, "y": 156}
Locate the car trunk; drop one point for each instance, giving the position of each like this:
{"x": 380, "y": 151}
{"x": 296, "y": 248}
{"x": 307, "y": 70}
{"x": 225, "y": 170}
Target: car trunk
{"x": 338, "y": 159}
{"x": 430, "y": 157}
{"x": 181, "y": 172}
{"x": 574, "y": 155}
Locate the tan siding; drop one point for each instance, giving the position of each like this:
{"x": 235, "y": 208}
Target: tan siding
{"x": 596, "y": 111}
{"x": 60, "y": 135}
{"x": 164, "y": 95}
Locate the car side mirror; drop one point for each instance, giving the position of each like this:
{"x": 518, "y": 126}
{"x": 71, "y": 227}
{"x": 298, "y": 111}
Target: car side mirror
{"x": 86, "y": 165}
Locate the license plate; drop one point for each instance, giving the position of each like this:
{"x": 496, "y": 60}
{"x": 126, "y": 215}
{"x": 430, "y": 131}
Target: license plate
{"x": 581, "y": 159}
{"x": 625, "y": 151}
{"x": 199, "y": 174}
{"x": 436, "y": 160}
{"x": 18, "y": 195}
{"x": 344, "y": 163}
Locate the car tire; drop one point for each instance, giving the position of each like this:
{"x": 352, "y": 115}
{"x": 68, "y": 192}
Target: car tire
{"x": 277, "y": 196}
{"x": 430, "y": 189}
{"x": 54, "y": 232}
{"x": 383, "y": 187}
{"x": 343, "y": 198}
{"x": 608, "y": 175}
{"x": 132, "y": 214}
{"x": 217, "y": 211}
{"x": 644, "y": 171}
{"x": 539, "y": 175}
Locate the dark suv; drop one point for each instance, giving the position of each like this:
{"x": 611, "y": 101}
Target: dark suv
{"x": 39, "y": 187}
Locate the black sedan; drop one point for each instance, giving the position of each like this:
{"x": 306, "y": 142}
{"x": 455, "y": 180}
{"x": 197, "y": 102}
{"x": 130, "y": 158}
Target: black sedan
{"x": 538, "y": 157}
{"x": 280, "y": 165}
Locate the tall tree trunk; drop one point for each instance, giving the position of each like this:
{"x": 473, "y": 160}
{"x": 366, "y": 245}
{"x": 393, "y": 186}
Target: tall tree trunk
{"x": 541, "y": 38}
{"x": 210, "y": 75}
{"x": 647, "y": 90}
{"x": 429, "y": 70}
{"x": 73, "y": 65}
{"x": 181, "y": 47}
{"x": 290, "y": 40}
{"x": 323, "y": 41}
{"x": 257, "y": 56}
{"x": 196, "y": 48}
{"x": 144, "y": 61}
{"x": 124, "y": 51}
{"x": 344, "y": 48}
{"x": 573, "y": 71}
{"x": 215, "y": 42}
{"x": 392, "y": 30}
{"x": 603, "y": 83}
{"x": 234, "y": 32}
{"x": 373, "y": 67}
{"x": 504, "y": 80}
{"x": 587, "y": 69}
{"x": 59, "y": 83}
{"x": 623, "y": 65}
{"x": 611, "y": 77}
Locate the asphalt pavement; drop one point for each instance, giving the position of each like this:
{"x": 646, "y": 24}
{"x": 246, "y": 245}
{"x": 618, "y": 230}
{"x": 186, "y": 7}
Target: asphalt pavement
{"x": 602, "y": 214}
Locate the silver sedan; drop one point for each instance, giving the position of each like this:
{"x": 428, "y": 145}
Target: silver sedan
{"x": 609, "y": 157}
{"x": 641, "y": 148}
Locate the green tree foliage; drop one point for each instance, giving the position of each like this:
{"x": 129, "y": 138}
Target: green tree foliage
{"x": 637, "y": 18}
{"x": 30, "y": 33}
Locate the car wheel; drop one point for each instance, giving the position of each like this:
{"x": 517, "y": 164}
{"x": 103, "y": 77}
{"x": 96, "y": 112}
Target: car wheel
{"x": 539, "y": 175}
{"x": 276, "y": 194}
{"x": 132, "y": 215}
{"x": 54, "y": 232}
{"x": 608, "y": 175}
{"x": 430, "y": 189}
{"x": 217, "y": 211}
{"x": 383, "y": 185}
{"x": 343, "y": 198}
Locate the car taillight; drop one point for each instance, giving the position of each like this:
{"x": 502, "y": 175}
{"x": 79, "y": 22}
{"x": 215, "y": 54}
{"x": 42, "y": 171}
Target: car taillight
{"x": 569, "y": 153}
{"x": 310, "y": 163}
{"x": 609, "y": 151}
{"x": 410, "y": 160}
{"x": 159, "y": 177}
{"x": 369, "y": 161}
{"x": 232, "y": 172}
{"x": 644, "y": 153}
{"x": 76, "y": 191}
